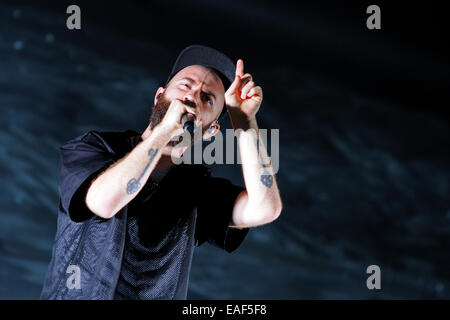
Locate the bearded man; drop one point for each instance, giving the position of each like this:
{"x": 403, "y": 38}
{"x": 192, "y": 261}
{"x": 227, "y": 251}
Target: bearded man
{"x": 127, "y": 223}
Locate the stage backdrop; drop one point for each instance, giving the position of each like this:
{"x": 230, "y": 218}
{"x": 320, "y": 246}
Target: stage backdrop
{"x": 364, "y": 163}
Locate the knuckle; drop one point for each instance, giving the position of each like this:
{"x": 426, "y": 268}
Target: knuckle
{"x": 246, "y": 78}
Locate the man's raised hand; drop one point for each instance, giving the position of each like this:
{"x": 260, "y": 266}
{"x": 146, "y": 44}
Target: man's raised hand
{"x": 243, "y": 94}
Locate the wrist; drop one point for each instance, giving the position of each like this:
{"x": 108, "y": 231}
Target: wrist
{"x": 162, "y": 133}
{"x": 241, "y": 121}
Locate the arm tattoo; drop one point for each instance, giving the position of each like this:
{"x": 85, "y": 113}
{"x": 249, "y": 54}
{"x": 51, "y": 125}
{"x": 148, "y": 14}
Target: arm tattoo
{"x": 266, "y": 178}
{"x": 134, "y": 184}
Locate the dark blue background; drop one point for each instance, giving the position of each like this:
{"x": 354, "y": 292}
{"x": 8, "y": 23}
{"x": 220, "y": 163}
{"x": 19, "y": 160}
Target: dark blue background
{"x": 364, "y": 138}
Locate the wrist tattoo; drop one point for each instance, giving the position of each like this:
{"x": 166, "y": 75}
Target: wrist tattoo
{"x": 134, "y": 184}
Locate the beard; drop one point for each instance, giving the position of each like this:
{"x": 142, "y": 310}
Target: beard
{"x": 158, "y": 113}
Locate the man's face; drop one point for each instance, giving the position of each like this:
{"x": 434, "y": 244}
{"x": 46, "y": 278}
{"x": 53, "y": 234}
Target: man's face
{"x": 200, "y": 87}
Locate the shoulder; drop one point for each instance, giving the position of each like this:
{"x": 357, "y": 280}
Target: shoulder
{"x": 114, "y": 142}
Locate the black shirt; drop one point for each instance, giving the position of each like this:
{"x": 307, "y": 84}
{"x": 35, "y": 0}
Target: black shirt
{"x": 164, "y": 223}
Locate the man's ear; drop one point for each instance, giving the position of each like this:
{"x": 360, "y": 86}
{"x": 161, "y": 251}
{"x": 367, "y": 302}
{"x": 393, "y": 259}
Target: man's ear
{"x": 159, "y": 93}
{"x": 212, "y": 130}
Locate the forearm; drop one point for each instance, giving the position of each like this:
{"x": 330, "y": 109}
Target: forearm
{"x": 262, "y": 190}
{"x": 121, "y": 182}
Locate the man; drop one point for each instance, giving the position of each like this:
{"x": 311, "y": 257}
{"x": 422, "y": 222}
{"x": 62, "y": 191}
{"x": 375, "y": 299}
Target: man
{"x": 129, "y": 218}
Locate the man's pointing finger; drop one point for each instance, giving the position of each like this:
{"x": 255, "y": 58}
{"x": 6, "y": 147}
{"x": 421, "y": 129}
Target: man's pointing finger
{"x": 240, "y": 68}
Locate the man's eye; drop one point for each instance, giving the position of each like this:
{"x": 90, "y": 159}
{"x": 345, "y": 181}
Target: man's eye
{"x": 184, "y": 85}
{"x": 207, "y": 98}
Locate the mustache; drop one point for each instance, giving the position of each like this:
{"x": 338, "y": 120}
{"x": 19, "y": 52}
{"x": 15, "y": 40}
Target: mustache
{"x": 190, "y": 103}
{"x": 159, "y": 110}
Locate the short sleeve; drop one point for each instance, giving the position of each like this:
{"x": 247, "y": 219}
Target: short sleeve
{"x": 81, "y": 161}
{"x": 214, "y": 215}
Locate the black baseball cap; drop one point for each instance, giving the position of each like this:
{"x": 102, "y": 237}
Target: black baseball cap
{"x": 207, "y": 57}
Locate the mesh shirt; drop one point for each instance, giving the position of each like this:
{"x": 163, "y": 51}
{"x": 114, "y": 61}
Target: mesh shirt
{"x": 164, "y": 223}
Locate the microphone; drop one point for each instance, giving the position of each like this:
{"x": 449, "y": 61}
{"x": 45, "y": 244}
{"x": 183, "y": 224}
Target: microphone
{"x": 187, "y": 121}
